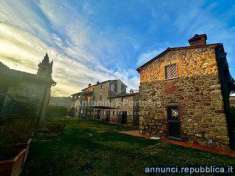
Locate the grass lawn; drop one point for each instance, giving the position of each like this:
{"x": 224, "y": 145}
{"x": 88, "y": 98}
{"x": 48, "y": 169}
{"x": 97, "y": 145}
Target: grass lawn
{"x": 95, "y": 148}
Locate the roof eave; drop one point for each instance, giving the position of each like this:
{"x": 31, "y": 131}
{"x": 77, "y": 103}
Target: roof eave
{"x": 178, "y": 48}
{"x": 153, "y": 59}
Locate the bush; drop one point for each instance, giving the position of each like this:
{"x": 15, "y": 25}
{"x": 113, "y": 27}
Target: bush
{"x": 51, "y": 129}
{"x": 56, "y": 111}
{"x": 55, "y": 127}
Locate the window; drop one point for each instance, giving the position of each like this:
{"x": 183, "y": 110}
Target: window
{"x": 100, "y": 97}
{"x": 171, "y": 71}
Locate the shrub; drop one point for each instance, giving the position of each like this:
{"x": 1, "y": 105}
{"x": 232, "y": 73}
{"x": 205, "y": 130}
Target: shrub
{"x": 55, "y": 127}
{"x": 56, "y": 111}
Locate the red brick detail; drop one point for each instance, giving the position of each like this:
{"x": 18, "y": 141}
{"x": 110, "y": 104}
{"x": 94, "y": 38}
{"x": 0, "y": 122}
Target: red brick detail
{"x": 197, "y": 146}
{"x": 170, "y": 88}
{"x": 219, "y": 111}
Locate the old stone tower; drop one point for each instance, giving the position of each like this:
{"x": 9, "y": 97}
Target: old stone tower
{"x": 25, "y": 94}
{"x": 184, "y": 94}
{"x": 45, "y": 68}
{"x": 45, "y": 73}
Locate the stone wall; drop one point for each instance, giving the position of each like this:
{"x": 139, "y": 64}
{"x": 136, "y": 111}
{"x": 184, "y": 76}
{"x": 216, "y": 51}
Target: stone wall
{"x": 127, "y": 104}
{"x": 196, "y": 92}
{"x": 26, "y": 94}
{"x": 101, "y": 91}
{"x": 31, "y": 93}
{"x": 232, "y": 101}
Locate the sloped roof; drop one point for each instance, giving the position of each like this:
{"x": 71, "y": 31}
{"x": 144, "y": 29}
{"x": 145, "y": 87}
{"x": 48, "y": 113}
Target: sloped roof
{"x": 175, "y": 49}
{"x": 103, "y": 83}
{"x": 11, "y": 74}
{"x": 3, "y": 67}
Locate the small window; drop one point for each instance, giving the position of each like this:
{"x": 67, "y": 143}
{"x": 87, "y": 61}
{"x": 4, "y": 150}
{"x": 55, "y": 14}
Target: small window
{"x": 100, "y": 97}
{"x": 171, "y": 71}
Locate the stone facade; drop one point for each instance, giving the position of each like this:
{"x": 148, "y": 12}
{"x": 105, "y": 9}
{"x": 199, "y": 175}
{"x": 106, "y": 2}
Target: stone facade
{"x": 198, "y": 92}
{"x": 21, "y": 92}
{"x": 93, "y": 102}
{"x": 107, "y": 101}
{"x": 126, "y": 109}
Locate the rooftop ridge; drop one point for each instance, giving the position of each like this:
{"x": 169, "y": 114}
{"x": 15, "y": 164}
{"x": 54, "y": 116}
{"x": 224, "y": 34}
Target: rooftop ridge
{"x": 178, "y": 48}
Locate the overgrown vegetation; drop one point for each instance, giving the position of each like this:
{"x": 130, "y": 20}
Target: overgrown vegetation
{"x": 95, "y": 148}
{"x": 56, "y": 111}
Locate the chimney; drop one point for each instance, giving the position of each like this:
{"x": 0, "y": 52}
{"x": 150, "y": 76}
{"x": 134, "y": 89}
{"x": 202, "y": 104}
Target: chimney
{"x": 198, "y": 39}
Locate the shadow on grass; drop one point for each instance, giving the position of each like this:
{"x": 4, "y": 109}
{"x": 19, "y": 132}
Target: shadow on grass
{"x": 95, "y": 148}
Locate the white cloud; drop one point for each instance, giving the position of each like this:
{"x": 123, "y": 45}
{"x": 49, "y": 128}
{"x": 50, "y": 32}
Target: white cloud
{"x": 28, "y": 30}
{"x": 81, "y": 54}
{"x": 145, "y": 57}
{"x": 200, "y": 19}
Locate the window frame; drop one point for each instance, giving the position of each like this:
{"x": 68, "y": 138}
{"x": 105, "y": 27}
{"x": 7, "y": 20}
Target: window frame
{"x": 176, "y": 70}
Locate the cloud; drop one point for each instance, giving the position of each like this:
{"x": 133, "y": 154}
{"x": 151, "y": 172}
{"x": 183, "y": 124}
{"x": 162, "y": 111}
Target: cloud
{"x": 202, "y": 19}
{"x": 146, "y": 56}
{"x": 44, "y": 27}
{"x": 89, "y": 42}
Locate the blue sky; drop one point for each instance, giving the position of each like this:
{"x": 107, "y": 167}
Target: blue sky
{"x": 106, "y": 39}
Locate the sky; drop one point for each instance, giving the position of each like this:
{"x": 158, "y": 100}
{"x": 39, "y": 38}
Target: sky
{"x": 96, "y": 40}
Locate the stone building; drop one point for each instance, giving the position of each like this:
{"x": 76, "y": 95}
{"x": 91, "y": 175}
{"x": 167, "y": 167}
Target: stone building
{"x": 184, "y": 94}
{"x": 93, "y": 101}
{"x": 25, "y": 94}
{"x": 125, "y": 109}
{"x": 107, "y": 101}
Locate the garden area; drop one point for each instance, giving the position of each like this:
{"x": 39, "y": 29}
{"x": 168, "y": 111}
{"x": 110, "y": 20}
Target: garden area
{"x": 95, "y": 148}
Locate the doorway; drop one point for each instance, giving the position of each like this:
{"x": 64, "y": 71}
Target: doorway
{"x": 98, "y": 114}
{"x": 107, "y": 116}
{"x": 173, "y": 121}
{"x": 124, "y": 117}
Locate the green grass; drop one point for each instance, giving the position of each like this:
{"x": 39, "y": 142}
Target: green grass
{"x": 95, "y": 148}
